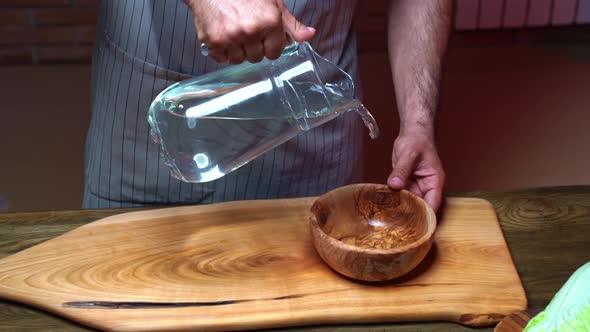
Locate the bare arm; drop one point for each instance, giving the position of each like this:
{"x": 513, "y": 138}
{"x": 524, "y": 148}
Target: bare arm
{"x": 418, "y": 31}
{"x": 417, "y": 39}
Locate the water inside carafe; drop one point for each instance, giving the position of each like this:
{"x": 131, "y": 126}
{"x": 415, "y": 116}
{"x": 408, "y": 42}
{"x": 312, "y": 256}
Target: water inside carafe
{"x": 212, "y": 130}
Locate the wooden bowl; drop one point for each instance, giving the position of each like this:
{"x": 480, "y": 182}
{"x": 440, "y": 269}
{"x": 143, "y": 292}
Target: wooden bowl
{"x": 372, "y": 233}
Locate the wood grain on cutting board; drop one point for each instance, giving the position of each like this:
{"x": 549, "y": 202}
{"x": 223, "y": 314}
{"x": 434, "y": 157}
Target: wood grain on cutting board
{"x": 250, "y": 264}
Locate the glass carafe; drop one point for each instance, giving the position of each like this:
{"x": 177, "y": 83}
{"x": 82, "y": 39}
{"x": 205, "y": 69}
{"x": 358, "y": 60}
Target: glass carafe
{"x": 213, "y": 124}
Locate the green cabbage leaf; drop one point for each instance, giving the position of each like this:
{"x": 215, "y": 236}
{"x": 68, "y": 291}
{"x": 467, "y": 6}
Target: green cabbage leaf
{"x": 569, "y": 310}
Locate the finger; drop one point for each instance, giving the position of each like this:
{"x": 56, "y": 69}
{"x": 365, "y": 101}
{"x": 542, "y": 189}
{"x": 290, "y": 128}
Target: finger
{"x": 433, "y": 198}
{"x": 415, "y": 189}
{"x": 254, "y": 51}
{"x": 273, "y": 44}
{"x": 297, "y": 30}
{"x": 219, "y": 55}
{"x": 432, "y": 186}
{"x": 235, "y": 54}
{"x": 403, "y": 168}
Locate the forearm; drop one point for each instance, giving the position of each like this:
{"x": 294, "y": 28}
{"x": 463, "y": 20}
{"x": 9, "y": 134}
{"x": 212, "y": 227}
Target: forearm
{"x": 418, "y": 31}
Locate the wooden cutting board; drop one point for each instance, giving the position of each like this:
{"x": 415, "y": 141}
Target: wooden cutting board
{"x": 250, "y": 264}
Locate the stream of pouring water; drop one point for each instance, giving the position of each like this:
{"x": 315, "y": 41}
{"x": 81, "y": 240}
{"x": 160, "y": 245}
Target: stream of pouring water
{"x": 368, "y": 120}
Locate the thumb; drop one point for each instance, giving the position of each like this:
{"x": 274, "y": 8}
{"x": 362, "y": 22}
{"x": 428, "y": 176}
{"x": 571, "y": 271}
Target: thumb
{"x": 296, "y": 30}
{"x": 402, "y": 170}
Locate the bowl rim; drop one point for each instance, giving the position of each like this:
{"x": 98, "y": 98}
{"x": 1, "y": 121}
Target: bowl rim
{"x": 431, "y": 222}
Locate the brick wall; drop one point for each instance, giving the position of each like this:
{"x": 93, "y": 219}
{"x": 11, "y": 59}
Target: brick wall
{"x": 47, "y": 31}
{"x": 63, "y": 31}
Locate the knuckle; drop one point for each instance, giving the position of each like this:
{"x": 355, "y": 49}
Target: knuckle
{"x": 271, "y": 19}
{"x": 402, "y": 168}
{"x": 234, "y": 32}
{"x": 401, "y": 171}
{"x": 252, "y": 28}
{"x": 216, "y": 41}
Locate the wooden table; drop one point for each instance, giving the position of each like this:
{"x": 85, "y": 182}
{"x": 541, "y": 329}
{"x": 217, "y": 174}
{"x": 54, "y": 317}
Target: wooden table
{"x": 547, "y": 230}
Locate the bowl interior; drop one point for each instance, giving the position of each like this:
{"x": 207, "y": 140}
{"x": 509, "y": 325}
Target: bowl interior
{"x": 372, "y": 216}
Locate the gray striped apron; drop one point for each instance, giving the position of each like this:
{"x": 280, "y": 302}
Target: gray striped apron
{"x": 144, "y": 46}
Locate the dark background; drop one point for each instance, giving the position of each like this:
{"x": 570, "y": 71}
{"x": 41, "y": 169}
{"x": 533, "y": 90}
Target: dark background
{"x": 514, "y": 107}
